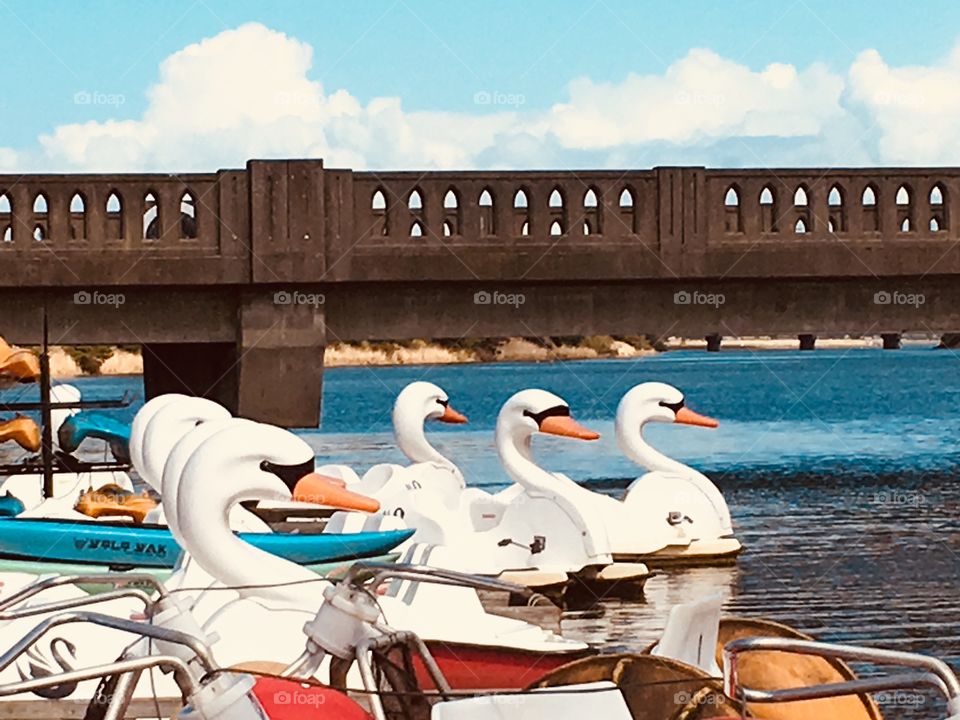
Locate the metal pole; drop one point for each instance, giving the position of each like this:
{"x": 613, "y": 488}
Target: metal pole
{"x": 46, "y": 452}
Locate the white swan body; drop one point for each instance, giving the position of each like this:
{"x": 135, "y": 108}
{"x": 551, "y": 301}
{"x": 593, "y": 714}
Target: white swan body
{"x": 686, "y": 506}
{"x": 391, "y": 483}
{"x": 541, "y": 525}
{"x": 238, "y": 452}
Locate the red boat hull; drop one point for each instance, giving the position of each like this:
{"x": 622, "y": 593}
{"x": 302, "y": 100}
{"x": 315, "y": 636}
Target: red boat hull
{"x": 482, "y": 667}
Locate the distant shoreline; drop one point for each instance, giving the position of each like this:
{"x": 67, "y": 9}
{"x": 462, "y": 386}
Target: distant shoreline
{"x": 92, "y": 361}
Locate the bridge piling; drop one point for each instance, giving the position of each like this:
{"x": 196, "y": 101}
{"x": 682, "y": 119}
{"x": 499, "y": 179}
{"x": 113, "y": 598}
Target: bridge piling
{"x": 808, "y": 341}
{"x": 713, "y": 342}
{"x": 891, "y": 341}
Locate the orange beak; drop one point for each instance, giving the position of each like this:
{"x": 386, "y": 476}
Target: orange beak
{"x": 322, "y": 490}
{"x": 452, "y": 416}
{"x": 566, "y": 426}
{"x": 686, "y": 416}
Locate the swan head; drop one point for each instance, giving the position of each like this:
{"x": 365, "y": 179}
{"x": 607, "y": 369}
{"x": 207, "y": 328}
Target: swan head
{"x": 264, "y": 462}
{"x": 532, "y": 411}
{"x": 658, "y": 402}
{"x": 169, "y": 424}
{"x": 424, "y": 401}
{"x": 139, "y": 425}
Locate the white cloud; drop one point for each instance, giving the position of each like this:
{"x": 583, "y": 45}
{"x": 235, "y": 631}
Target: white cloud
{"x": 699, "y": 97}
{"x": 915, "y": 109}
{"x": 247, "y": 92}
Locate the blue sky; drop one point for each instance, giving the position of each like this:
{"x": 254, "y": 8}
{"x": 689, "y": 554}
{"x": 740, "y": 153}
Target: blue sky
{"x": 435, "y": 57}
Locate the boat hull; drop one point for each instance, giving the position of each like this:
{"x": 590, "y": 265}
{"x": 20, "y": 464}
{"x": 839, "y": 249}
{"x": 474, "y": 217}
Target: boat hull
{"x": 152, "y": 546}
{"x": 484, "y": 667}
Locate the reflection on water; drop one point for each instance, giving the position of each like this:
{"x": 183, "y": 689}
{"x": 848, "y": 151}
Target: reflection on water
{"x": 840, "y": 469}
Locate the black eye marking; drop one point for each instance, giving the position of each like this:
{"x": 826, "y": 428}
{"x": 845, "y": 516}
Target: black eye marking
{"x": 557, "y": 411}
{"x": 444, "y": 403}
{"x": 290, "y": 474}
{"x": 673, "y": 406}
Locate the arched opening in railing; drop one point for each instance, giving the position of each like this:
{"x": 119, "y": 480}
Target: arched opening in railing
{"x": 628, "y": 209}
{"x": 558, "y": 211}
{"x": 732, "y": 213}
{"x": 905, "y": 209}
{"x": 592, "y": 214}
{"x": 381, "y": 219}
{"x": 452, "y": 219}
{"x": 769, "y": 217}
{"x": 802, "y": 216}
{"x": 151, "y": 217}
{"x": 837, "y": 210}
{"x": 521, "y": 218}
{"x": 78, "y": 217}
{"x": 188, "y": 217}
{"x": 939, "y": 218}
{"x": 6, "y": 218}
{"x": 870, "y": 209}
{"x": 416, "y": 229}
{"x": 488, "y": 218}
{"x": 41, "y": 215}
{"x": 114, "y": 208}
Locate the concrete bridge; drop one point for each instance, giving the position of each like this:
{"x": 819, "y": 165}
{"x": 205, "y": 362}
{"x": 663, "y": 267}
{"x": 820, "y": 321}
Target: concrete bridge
{"x": 235, "y": 281}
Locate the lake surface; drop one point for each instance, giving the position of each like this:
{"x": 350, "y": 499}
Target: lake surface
{"x": 840, "y": 469}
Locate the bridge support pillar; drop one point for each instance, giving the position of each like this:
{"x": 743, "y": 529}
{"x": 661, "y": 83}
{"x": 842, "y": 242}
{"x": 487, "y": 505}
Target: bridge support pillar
{"x": 891, "y": 341}
{"x": 713, "y": 342}
{"x": 808, "y": 341}
{"x": 280, "y": 357}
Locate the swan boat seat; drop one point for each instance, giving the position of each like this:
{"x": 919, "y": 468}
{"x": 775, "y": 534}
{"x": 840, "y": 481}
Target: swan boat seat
{"x": 115, "y": 501}
{"x": 18, "y": 365}
{"x": 21, "y": 430}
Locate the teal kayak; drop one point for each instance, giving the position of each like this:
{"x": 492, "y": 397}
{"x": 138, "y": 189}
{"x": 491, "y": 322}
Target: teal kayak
{"x": 152, "y": 546}
{"x": 86, "y": 424}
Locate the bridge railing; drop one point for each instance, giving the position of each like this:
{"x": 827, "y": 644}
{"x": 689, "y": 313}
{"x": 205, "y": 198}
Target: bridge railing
{"x": 123, "y": 212}
{"x": 787, "y": 206}
{"x": 76, "y": 229}
{"x": 508, "y": 208}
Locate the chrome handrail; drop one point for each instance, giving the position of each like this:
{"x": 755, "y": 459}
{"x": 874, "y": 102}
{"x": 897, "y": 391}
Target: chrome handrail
{"x": 71, "y": 603}
{"x": 197, "y": 646}
{"x": 46, "y": 583}
{"x": 936, "y": 673}
{"x": 425, "y": 573}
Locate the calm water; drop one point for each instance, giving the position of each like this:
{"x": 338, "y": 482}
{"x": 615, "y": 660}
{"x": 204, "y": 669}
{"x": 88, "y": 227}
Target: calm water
{"x": 840, "y": 469}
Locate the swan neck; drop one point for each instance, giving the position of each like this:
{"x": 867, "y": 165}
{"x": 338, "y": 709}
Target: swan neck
{"x": 634, "y": 445}
{"x": 516, "y": 456}
{"x": 412, "y": 440}
{"x": 205, "y": 526}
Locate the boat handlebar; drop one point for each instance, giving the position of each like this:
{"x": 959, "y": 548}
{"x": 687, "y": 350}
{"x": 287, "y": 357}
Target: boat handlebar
{"x": 935, "y": 673}
{"x": 115, "y": 578}
{"x": 197, "y": 646}
{"x": 71, "y": 603}
{"x": 372, "y": 575}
